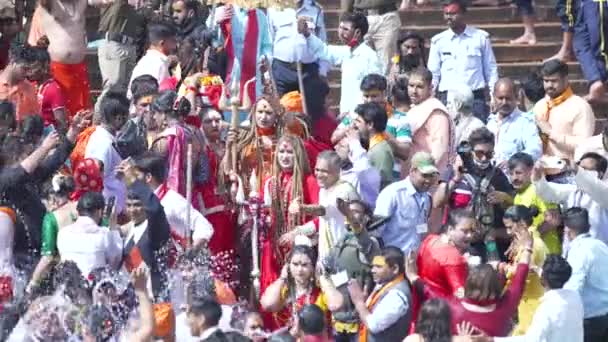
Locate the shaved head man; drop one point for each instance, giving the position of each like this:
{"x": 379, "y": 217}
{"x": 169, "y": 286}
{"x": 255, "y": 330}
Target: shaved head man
{"x": 505, "y": 98}
{"x": 514, "y": 131}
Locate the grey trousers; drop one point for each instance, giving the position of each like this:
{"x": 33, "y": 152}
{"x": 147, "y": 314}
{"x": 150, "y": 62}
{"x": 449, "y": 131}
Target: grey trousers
{"x": 116, "y": 63}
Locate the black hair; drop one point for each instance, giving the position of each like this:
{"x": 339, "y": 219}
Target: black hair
{"x": 554, "y": 66}
{"x": 99, "y": 322}
{"x": 165, "y": 102}
{"x": 32, "y": 128}
{"x": 394, "y": 257}
{"x": 454, "y": 216}
{"x": 7, "y": 113}
{"x": 358, "y": 20}
{"x": 89, "y": 202}
{"x": 208, "y": 308}
{"x": 461, "y": 3}
{"x": 306, "y": 250}
{"x": 481, "y": 135}
{"x": 577, "y": 220}
{"x": 556, "y": 271}
{"x": 532, "y": 85}
{"x": 373, "y": 82}
{"x": 160, "y": 31}
{"x": 403, "y": 36}
{"x": 519, "y": 213}
{"x": 521, "y": 158}
{"x": 373, "y": 113}
{"x": 434, "y": 321}
{"x": 601, "y": 164}
{"x": 399, "y": 92}
{"x": 152, "y": 163}
{"x": 66, "y": 185}
{"x": 316, "y": 90}
{"x": 144, "y": 85}
{"x": 311, "y": 320}
{"x": 22, "y": 54}
{"x": 425, "y": 74}
{"x": 112, "y": 105}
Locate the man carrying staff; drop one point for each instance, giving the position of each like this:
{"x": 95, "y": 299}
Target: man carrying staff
{"x": 64, "y": 24}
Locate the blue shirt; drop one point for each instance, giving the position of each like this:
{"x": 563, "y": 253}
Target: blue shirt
{"x": 407, "y": 208}
{"x": 515, "y": 133}
{"x": 588, "y": 258}
{"x": 466, "y": 58}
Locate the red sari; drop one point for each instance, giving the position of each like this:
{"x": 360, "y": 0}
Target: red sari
{"x": 271, "y": 263}
{"x": 214, "y": 208}
{"x": 442, "y": 268}
{"x": 293, "y": 305}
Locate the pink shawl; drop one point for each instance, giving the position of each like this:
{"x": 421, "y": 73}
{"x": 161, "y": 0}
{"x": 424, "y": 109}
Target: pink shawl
{"x": 423, "y": 136}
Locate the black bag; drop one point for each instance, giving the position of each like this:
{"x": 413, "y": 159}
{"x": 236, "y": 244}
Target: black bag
{"x": 131, "y": 139}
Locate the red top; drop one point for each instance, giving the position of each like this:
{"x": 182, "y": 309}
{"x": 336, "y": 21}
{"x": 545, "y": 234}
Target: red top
{"x": 50, "y": 97}
{"x": 323, "y": 127}
{"x": 498, "y": 321}
{"x": 442, "y": 268}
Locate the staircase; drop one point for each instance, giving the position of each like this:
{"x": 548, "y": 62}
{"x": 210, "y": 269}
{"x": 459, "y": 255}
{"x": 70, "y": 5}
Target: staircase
{"x": 503, "y": 23}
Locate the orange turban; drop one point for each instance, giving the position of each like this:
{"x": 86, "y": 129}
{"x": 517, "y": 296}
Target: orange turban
{"x": 292, "y": 102}
{"x": 165, "y": 320}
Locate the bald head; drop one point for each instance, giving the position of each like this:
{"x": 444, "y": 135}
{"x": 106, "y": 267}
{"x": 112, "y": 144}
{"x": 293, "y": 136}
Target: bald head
{"x": 504, "y": 96}
{"x": 505, "y": 83}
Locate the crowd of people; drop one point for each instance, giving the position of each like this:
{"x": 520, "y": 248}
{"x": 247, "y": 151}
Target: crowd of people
{"x": 210, "y": 193}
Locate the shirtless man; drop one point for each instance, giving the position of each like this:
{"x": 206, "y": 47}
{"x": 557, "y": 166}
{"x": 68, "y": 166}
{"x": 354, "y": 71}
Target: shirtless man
{"x": 64, "y": 24}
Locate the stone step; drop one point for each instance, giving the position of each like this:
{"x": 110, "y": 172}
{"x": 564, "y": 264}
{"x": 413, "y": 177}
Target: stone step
{"x": 477, "y": 15}
{"x": 546, "y": 31}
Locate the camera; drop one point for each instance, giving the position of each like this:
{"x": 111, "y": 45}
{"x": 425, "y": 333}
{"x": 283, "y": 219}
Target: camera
{"x": 465, "y": 152}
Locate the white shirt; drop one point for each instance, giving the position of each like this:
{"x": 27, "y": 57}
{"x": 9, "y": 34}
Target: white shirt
{"x": 153, "y": 63}
{"x": 89, "y": 245}
{"x": 7, "y": 236}
{"x": 182, "y": 330}
{"x": 332, "y": 226}
{"x": 589, "y": 193}
{"x": 356, "y": 64}
{"x": 558, "y": 318}
{"x": 100, "y": 147}
{"x": 389, "y": 309}
{"x": 176, "y": 207}
{"x": 466, "y": 58}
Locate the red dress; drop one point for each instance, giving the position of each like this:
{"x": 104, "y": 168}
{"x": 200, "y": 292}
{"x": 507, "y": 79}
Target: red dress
{"x": 497, "y": 322}
{"x": 273, "y": 257}
{"x": 442, "y": 268}
{"x": 214, "y": 208}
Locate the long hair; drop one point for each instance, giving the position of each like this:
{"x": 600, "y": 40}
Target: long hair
{"x": 251, "y": 135}
{"x": 284, "y": 222}
{"x": 434, "y": 321}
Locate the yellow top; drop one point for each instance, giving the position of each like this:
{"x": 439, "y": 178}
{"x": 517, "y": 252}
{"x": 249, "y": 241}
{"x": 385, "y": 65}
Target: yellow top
{"x": 529, "y": 198}
{"x": 534, "y": 289}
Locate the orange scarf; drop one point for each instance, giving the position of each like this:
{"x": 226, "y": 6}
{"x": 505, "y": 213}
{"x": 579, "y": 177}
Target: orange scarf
{"x": 10, "y": 212}
{"x": 552, "y": 103}
{"x": 373, "y": 299}
{"x": 376, "y": 139}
